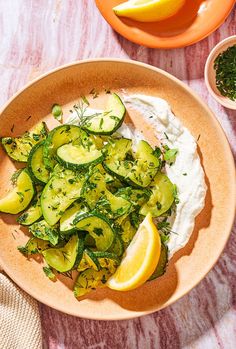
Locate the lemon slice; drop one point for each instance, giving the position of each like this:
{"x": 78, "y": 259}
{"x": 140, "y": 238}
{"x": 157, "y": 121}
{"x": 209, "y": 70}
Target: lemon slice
{"x": 148, "y": 10}
{"x": 140, "y": 258}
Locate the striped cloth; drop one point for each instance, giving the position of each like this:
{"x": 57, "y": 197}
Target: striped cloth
{"x": 20, "y": 326}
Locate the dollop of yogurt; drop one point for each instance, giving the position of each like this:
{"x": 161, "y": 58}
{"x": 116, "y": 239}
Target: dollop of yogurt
{"x": 186, "y": 172}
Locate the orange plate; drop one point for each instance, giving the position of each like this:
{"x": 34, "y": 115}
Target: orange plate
{"x": 212, "y": 227}
{"x": 196, "y": 20}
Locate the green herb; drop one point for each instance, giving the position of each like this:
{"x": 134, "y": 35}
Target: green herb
{"x": 84, "y": 99}
{"x": 21, "y": 196}
{"x": 15, "y": 176}
{"x": 166, "y": 135}
{"x": 175, "y": 193}
{"x": 49, "y": 273}
{"x": 57, "y": 112}
{"x": 225, "y": 67}
{"x": 170, "y": 154}
{"x": 23, "y": 250}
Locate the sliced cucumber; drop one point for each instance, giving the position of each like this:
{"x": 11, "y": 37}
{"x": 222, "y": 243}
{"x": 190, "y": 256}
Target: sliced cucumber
{"x": 136, "y": 196}
{"x": 33, "y": 214}
{"x": 109, "y": 121}
{"x": 60, "y": 192}
{"x": 89, "y": 280}
{"x": 138, "y": 172}
{"x": 66, "y": 221}
{"x": 108, "y": 260}
{"x": 83, "y": 265}
{"x": 89, "y": 241}
{"x": 59, "y": 136}
{"x": 162, "y": 196}
{"x": 128, "y": 232}
{"x": 21, "y": 195}
{"x": 91, "y": 259}
{"x": 42, "y": 230}
{"x": 34, "y": 245}
{"x": 63, "y": 259}
{"x": 99, "y": 227}
{"x": 162, "y": 263}
{"x": 115, "y": 163}
{"x": 145, "y": 167}
{"x": 18, "y": 148}
{"x": 97, "y": 196}
{"x": 77, "y": 157}
{"x": 36, "y": 166}
{"x": 117, "y": 247}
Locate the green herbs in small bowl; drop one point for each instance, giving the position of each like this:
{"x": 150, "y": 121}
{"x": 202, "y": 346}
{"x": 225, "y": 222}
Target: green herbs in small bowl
{"x": 225, "y": 67}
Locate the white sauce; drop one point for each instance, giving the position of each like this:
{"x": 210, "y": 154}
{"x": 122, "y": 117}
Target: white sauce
{"x": 191, "y": 187}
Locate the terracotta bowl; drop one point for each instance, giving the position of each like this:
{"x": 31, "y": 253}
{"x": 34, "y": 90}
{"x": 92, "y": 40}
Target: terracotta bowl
{"x": 212, "y": 227}
{"x": 210, "y": 74}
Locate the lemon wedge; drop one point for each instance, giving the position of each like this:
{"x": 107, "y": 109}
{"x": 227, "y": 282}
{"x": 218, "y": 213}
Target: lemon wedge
{"x": 148, "y": 10}
{"x": 140, "y": 258}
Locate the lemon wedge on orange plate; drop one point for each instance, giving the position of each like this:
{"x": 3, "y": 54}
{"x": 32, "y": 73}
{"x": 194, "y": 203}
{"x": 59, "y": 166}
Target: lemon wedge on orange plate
{"x": 140, "y": 258}
{"x": 148, "y": 10}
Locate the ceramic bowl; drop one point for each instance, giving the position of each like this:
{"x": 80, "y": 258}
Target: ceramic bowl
{"x": 212, "y": 227}
{"x": 210, "y": 74}
{"x": 193, "y": 22}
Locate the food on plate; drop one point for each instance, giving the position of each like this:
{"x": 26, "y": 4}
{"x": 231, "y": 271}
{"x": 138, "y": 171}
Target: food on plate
{"x": 148, "y": 10}
{"x": 225, "y": 68}
{"x": 103, "y": 205}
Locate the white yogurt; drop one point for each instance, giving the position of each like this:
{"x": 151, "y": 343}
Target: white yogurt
{"x": 186, "y": 172}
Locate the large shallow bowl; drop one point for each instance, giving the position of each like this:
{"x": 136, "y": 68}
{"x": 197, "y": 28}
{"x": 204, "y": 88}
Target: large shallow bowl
{"x": 196, "y": 20}
{"x": 212, "y": 228}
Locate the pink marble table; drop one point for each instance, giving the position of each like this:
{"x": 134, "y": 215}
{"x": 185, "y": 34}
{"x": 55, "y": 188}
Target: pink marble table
{"x": 38, "y": 35}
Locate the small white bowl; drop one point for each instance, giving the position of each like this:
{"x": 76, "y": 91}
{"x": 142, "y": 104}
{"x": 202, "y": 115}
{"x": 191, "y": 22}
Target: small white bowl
{"x": 210, "y": 74}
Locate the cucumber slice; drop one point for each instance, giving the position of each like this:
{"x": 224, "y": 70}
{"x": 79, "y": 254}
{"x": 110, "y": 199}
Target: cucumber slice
{"x": 162, "y": 263}
{"x": 99, "y": 227}
{"x": 21, "y": 195}
{"x": 34, "y": 246}
{"x": 145, "y": 167}
{"x": 108, "y": 260}
{"x": 138, "y": 172}
{"x": 18, "y": 148}
{"x": 36, "y": 165}
{"x": 66, "y": 221}
{"x": 98, "y": 197}
{"x": 91, "y": 259}
{"x": 83, "y": 265}
{"x": 162, "y": 196}
{"x": 63, "y": 259}
{"x": 115, "y": 163}
{"x": 42, "y": 230}
{"x": 89, "y": 280}
{"x": 109, "y": 121}
{"x": 60, "y": 192}
{"x": 89, "y": 241}
{"x": 117, "y": 247}
{"x": 128, "y": 232}
{"x": 59, "y": 136}
{"x": 136, "y": 196}
{"x": 77, "y": 157}
{"x": 33, "y": 214}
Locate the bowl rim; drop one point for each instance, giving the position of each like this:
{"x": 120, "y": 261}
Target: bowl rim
{"x": 131, "y": 315}
{"x": 209, "y": 62}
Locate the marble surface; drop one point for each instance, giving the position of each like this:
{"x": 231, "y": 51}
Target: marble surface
{"x": 38, "y": 35}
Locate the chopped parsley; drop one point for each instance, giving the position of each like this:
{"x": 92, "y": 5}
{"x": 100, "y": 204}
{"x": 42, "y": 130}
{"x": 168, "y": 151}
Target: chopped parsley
{"x": 225, "y": 67}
